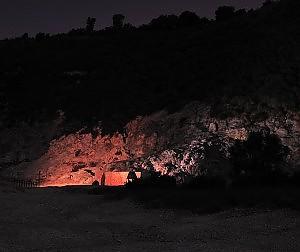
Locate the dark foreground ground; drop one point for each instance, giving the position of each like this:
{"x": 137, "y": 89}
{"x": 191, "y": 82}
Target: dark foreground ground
{"x": 71, "y": 219}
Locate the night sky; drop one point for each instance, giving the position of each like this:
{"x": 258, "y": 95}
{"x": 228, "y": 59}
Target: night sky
{"x": 52, "y": 16}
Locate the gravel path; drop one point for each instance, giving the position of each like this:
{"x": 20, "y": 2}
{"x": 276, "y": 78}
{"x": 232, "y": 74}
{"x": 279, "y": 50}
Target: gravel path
{"x": 58, "y": 220}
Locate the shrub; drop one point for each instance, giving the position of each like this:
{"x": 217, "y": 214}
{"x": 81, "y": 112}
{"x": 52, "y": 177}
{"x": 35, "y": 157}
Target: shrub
{"x": 155, "y": 180}
{"x": 95, "y": 183}
{"x": 225, "y": 13}
{"x": 262, "y": 156}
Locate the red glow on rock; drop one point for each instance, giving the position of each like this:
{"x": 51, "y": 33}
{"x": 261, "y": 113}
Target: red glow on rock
{"x": 117, "y": 178}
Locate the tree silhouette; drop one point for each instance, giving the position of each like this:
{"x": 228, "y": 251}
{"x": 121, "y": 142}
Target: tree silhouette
{"x": 188, "y": 18}
{"x": 261, "y": 155}
{"x": 25, "y": 36}
{"x": 90, "y": 24}
{"x": 240, "y": 12}
{"x": 224, "y": 13}
{"x": 164, "y": 22}
{"x": 128, "y": 26}
{"x": 267, "y": 2}
{"x": 118, "y": 21}
{"x": 41, "y": 36}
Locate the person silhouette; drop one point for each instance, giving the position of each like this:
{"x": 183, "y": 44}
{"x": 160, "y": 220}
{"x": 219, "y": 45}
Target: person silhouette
{"x": 103, "y": 179}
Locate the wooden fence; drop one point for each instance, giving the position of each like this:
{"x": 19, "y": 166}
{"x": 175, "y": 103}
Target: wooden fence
{"x": 26, "y": 183}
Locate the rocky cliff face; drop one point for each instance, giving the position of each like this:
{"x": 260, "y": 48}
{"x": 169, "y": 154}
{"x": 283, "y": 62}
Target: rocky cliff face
{"x": 188, "y": 142}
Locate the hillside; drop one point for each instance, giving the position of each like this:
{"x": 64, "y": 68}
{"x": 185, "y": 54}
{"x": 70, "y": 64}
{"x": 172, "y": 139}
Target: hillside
{"x": 243, "y": 70}
{"x": 119, "y": 74}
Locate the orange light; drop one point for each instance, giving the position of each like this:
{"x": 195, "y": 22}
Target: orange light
{"x": 118, "y": 178}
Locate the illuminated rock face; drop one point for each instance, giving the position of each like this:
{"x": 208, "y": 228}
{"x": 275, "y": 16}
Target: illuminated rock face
{"x": 171, "y": 144}
{"x": 202, "y": 157}
{"x": 190, "y": 141}
{"x": 78, "y": 158}
{"x": 117, "y": 178}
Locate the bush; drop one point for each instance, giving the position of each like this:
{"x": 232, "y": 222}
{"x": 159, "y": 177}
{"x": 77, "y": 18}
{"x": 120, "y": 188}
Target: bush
{"x": 155, "y": 180}
{"x": 262, "y": 156}
{"x": 225, "y": 13}
{"x": 206, "y": 183}
{"x": 96, "y": 183}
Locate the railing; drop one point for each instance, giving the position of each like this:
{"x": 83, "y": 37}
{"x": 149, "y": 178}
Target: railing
{"x": 26, "y": 183}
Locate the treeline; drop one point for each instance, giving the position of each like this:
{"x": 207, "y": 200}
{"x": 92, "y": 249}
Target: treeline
{"x": 242, "y": 59}
{"x": 185, "y": 19}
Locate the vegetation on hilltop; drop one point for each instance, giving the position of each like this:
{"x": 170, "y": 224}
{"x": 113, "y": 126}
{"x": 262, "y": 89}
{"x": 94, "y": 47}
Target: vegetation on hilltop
{"x": 113, "y": 75}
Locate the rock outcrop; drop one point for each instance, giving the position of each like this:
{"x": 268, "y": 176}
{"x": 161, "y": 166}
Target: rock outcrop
{"x": 190, "y": 141}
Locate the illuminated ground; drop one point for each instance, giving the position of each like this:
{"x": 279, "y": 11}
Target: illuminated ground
{"x": 71, "y": 220}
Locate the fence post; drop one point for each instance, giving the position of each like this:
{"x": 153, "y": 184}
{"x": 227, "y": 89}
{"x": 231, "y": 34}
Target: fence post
{"x": 39, "y": 179}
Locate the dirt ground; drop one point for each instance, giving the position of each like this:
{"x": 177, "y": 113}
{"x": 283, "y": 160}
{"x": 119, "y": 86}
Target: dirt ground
{"x": 53, "y": 219}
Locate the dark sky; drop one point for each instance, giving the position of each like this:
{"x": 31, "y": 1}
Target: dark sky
{"x": 52, "y": 16}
